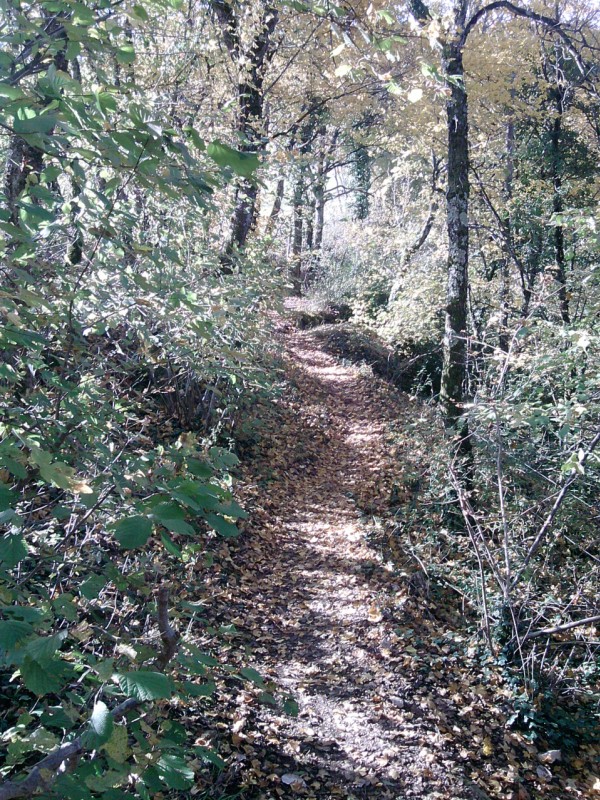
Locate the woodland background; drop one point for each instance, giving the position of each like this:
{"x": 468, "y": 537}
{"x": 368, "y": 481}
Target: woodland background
{"x": 173, "y": 170}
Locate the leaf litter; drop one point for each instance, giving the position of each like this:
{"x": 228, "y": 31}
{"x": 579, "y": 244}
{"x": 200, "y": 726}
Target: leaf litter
{"x": 366, "y": 684}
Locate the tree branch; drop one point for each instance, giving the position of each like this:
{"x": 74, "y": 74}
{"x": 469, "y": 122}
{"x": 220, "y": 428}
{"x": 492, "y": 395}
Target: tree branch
{"x": 558, "y": 628}
{"x": 518, "y": 11}
{"x": 65, "y": 758}
{"x": 170, "y": 637}
{"x": 45, "y": 772}
{"x": 537, "y": 542}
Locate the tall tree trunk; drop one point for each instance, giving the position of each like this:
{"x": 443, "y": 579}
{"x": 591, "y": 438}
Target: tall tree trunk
{"x": 297, "y": 236}
{"x": 319, "y": 193}
{"x": 455, "y": 335}
{"x": 251, "y": 62}
{"x": 310, "y": 223}
{"x": 559, "y": 270}
{"x": 319, "y": 215}
{"x": 509, "y": 169}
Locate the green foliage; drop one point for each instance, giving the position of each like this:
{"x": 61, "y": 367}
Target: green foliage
{"x": 124, "y": 353}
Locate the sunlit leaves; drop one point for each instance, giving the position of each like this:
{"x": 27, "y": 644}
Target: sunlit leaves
{"x": 101, "y": 725}
{"x": 241, "y": 163}
{"x": 143, "y": 685}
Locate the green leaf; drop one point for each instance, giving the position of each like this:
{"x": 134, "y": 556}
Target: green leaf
{"x": 254, "y": 676}
{"x": 65, "y": 607}
{"x": 105, "y": 669}
{"x": 145, "y": 685}
{"x": 206, "y": 754}
{"x": 139, "y": 12}
{"x": 386, "y": 15}
{"x": 200, "y": 468}
{"x": 125, "y": 54}
{"x": 101, "y": 725}
{"x": 14, "y": 466}
{"x": 199, "y": 689}
{"x": 175, "y": 772}
{"x": 42, "y": 648}
{"x": 39, "y": 678}
{"x": 291, "y": 708}
{"x": 10, "y": 92}
{"x": 232, "y": 509}
{"x": 26, "y": 613}
{"x": 82, "y": 15}
{"x": 243, "y": 164}
{"x": 7, "y": 497}
{"x": 170, "y": 545}
{"x": 117, "y": 748}
{"x": 30, "y": 122}
{"x": 172, "y": 516}
{"x": 58, "y": 473}
{"x": 133, "y": 531}
{"x": 12, "y": 550}
{"x": 222, "y": 526}
{"x": 92, "y": 586}
{"x": 12, "y": 632}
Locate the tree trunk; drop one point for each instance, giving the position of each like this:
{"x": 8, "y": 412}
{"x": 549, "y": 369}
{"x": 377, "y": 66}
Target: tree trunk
{"x": 509, "y": 170}
{"x": 310, "y": 224}
{"x": 319, "y": 193}
{"x": 559, "y": 270}
{"x": 279, "y": 192}
{"x": 298, "y": 223}
{"x": 251, "y": 62}
{"x": 22, "y": 160}
{"x": 455, "y": 341}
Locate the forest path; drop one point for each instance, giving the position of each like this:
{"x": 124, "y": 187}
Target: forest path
{"x": 327, "y": 619}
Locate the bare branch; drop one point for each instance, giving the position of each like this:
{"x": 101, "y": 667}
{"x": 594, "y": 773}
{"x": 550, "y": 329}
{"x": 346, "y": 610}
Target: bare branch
{"x": 552, "y": 24}
{"x": 170, "y": 637}
{"x": 537, "y": 542}
{"x": 566, "y": 627}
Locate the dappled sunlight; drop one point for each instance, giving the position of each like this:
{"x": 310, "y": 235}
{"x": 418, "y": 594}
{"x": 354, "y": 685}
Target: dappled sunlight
{"x": 325, "y": 607}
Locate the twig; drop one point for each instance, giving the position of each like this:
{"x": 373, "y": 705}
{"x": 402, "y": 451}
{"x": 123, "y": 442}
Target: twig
{"x": 537, "y": 542}
{"x": 170, "y": 637}
{"x": 565, "y": 627}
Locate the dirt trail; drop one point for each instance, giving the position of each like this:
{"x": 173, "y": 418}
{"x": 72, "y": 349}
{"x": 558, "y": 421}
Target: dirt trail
{"x": 323, "y": 610}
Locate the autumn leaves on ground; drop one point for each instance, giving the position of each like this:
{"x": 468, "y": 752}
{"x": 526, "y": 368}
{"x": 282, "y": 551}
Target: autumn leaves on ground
{"x": 380, "y": 691}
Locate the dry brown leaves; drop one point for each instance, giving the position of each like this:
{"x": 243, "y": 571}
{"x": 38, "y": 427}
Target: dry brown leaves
{"x": 393, "y": 700}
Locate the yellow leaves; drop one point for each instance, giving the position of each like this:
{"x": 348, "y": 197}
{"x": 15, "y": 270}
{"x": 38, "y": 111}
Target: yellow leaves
{"x": 487, "y": 748}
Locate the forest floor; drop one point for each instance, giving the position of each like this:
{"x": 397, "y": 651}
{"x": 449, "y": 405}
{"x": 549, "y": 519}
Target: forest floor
{"x": 393, "y": 697}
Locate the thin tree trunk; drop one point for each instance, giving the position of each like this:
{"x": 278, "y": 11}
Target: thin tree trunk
{"x": 455, "y": 336}
{"x": 559, "y": 270}
{"x": 298, "y": 227}
{"x": 319, "y": 217}
{"x": 310, "y": 224}
{"x": 504, "y": 339}
{"x": 279, "y": 192}
{"x": 251, "y": 62}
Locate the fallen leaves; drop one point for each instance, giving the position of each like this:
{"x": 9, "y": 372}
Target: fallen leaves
{"x": 385, "y": 695}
